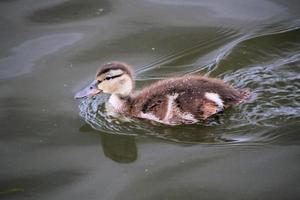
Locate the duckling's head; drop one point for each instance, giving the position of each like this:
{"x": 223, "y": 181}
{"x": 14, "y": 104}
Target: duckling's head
{"x": 112, "y": 78}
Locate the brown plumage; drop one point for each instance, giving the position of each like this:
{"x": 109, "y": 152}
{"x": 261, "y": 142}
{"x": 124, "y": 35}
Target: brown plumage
{"x": 190, "y": 98}
{"x": 113, "y": 66}
{"x": 179, "y": 100}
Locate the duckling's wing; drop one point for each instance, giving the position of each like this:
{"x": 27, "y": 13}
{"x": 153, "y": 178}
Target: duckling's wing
{"x": 207, "y": 109}
{"x": 156, "y": 105}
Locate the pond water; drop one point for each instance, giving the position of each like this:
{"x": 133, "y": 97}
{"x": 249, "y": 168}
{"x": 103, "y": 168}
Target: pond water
{"x": 53, "y": 147}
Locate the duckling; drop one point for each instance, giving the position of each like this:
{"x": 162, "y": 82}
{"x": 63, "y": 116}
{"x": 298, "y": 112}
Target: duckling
{"x": 173, "y": 101}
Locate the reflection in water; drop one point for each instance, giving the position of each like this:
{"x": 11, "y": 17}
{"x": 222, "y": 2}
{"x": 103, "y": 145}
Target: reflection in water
{"x": 242, "y": 10}
{"x": 119, "y": 148}
{"x": 23, "y": 57}
{"x": 71, "y": 10}
{"x": 37, "y": 182}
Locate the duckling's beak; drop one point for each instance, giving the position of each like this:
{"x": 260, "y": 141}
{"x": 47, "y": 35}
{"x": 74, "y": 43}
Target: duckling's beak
{"x": 90, "y": 90}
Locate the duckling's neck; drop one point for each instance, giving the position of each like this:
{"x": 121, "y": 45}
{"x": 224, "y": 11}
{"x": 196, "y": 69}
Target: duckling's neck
{"x": 118, "y": 102}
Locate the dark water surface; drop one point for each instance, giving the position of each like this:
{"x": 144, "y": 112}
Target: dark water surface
{"x": 51, "y": 149}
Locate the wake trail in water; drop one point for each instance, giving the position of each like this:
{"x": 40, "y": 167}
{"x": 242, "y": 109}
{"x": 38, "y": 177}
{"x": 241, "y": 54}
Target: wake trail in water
{"x": 272, "y": 74}
{"x": 183, "y": 52}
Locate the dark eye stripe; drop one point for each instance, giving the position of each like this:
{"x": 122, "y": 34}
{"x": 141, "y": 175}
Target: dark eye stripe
{"x": 111, "y": 77}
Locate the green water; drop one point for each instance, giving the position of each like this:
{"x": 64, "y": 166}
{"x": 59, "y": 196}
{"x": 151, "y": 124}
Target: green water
{"x": 53, "y": 147}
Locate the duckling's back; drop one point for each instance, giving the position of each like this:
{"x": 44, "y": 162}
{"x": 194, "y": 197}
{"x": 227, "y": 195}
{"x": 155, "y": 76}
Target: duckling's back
{"x": 183, "y": 100}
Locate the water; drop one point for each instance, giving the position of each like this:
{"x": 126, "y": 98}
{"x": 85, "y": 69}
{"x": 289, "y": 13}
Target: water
{"x": 52, "y": 149}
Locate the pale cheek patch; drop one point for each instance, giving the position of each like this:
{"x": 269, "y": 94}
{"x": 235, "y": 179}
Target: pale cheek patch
{"x": 109, "y": 88}
{"x": 214, "y": 97}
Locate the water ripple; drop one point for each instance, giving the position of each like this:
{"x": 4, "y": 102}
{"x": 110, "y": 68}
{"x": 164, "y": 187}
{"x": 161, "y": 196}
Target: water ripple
{"x": 272, "y": 74}
{"x": 23, "y": 56}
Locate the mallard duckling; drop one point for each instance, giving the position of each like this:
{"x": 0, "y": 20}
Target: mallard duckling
{"x": 173, "y": 101}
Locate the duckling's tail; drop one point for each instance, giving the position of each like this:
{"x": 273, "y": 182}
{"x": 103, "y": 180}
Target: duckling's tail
{"x": 244, "y": 94}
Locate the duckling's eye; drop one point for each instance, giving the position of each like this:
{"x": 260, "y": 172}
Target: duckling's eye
{"x": 111, "y": 77}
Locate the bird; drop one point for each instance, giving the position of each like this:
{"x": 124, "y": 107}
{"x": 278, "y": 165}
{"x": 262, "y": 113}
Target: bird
{"x": 187, "y": 99}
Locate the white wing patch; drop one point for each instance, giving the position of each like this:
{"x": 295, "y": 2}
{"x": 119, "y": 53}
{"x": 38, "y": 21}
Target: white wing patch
{"x": 169, "y": 113}
{"x": 150, "y": 116}
{"x": 189, "y": 117}
{"x": 215, "y": 98}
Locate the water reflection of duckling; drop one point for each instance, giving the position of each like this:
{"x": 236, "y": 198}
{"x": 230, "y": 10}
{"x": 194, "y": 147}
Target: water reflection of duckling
{"x": 173, "y": 101}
